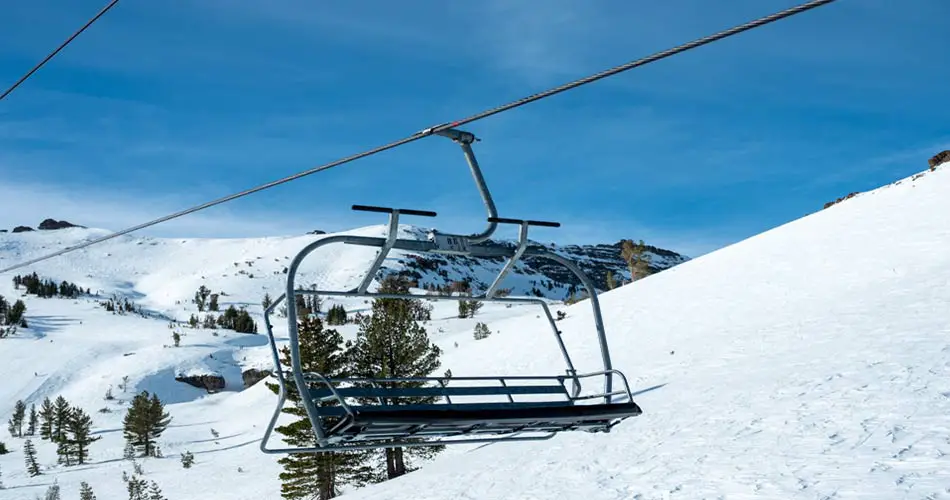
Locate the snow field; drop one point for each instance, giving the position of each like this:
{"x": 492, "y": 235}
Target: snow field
{"x": 810, "y": 361}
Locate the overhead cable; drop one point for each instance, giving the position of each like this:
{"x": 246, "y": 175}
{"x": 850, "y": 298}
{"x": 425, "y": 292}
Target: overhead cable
{"x": 61, "y": 46}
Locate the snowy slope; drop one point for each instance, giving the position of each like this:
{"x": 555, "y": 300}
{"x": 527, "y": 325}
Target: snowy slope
{"x": 811, "y": 361}
{"x": 77, "y": 349}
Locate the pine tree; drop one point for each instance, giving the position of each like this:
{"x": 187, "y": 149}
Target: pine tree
{"x": 267, "y": 301}
{"x": 46, "y": 419}
{"x": 29, "y": 455}
{"x": 213, "y": 304}
{"x": 52, "y": 493}
{"x": 14, "y": 315}
{"x": 128, "y": 452}
{"x": 303, "y": 310}
{"x": 63, "y": 452}
{"x": 201, "y": 296}
{"x": 481, "y": 331}
{"x": 154, "y": 492}
{"x": 468, "y": 308}
{"x": 392, "y": 344}
{"x": 636, "y": 257}
{"x": 136, "y": 487}
{"x": 336, "y": 315}
{"x": 31, "y": 427}
{"x": 80, "y": 437}
{"x": 187, "y": 459}
{"x": 85, "y": 492}
{"x": 611, "y": 282}
{"x": 317, "y": 475}
{"x": 60, "y": 417}
{"x": 145, "y": 421}
{"x": 16, "y": 422}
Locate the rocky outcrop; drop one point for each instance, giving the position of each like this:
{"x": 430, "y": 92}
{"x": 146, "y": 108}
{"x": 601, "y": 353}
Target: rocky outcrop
{"x": 839, "y": 200}
{"x": 253, "y": 376}
{"x": 545, "y": 278}
{"x": 939, "y": 158}
{"x": 22, "y": 229}
{"x": 209, "y": 382}
{"x": 52, "y": 224}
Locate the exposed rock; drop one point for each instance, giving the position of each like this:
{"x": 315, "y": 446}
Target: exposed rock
{"x": 547, "y": 278}
{"x": 839, "y": 200}
{"x": 941, "y": 157}
{"x": 211, "y": 383}
{"x": 50, "y": 224}
{"x": 317, "y": 231}
{"x": 3, "y": 230}
{"x": 253, "y": 376}
{"x": 22, "y": 229}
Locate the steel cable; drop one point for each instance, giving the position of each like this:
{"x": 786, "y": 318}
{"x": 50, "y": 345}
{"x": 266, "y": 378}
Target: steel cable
{"x": 61, "y": 47}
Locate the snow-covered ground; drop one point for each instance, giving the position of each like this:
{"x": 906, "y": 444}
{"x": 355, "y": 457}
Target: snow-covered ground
{"x": 811, "y": 361}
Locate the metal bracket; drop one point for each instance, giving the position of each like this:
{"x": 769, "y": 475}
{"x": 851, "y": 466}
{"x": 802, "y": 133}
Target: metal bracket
{"x": 449, "y": 243}
{"x": 519, "y": 251}
{"x": 465, "y": 140}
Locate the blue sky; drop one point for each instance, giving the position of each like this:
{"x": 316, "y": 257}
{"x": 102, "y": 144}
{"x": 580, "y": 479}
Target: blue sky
{"x": 162, "y": 105}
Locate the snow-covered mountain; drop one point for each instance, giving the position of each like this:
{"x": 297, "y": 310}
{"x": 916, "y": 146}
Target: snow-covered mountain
{"x": 810, "y": 361}
{"x": 256, "y": 265}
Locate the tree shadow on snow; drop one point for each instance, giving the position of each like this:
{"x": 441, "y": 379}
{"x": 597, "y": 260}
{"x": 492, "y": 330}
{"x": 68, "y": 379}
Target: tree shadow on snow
{"x": 37, "y": 485}
{"x": 212, "y": 439}
{"x": 226, "y": 448}
{"x": 42, "y": 325}
{"x": 247, "y": 340}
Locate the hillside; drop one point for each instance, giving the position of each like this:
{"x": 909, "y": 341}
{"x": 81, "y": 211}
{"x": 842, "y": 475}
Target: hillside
{"x": 157, "y": 269}
{"x": 80, "y": 350}
{"x": 810, "y": 361}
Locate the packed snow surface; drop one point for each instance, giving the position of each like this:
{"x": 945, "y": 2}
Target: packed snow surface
{"x": 810, "y": 361}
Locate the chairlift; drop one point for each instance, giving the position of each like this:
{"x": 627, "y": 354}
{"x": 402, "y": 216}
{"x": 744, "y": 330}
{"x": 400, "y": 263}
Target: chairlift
{"x": 362, "y": 413}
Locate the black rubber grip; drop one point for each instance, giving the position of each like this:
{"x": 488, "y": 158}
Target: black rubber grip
{"x": 420, "y": 213}
{"x": 368, "y": 208}
{"x": 386, "y": 210}
{"x": 503, "y": 220}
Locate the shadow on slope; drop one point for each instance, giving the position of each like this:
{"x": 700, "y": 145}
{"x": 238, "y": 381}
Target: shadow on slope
{"x": 42, "y": 325}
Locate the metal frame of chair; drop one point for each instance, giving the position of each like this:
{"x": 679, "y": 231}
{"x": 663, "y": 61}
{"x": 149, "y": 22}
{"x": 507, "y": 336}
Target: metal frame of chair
{"x": 360, "y": 413}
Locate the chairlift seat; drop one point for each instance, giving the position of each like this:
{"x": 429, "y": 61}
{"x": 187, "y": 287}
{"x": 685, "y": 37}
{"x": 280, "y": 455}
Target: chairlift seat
{"x": 396, "y": 419}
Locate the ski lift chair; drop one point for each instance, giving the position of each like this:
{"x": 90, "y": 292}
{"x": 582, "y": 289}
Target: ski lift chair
{"x": 361, "y": 413}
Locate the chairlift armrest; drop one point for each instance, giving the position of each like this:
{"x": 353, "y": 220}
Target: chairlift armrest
{"x": 503, "y": 220}
{"x": 387, "y": 210}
